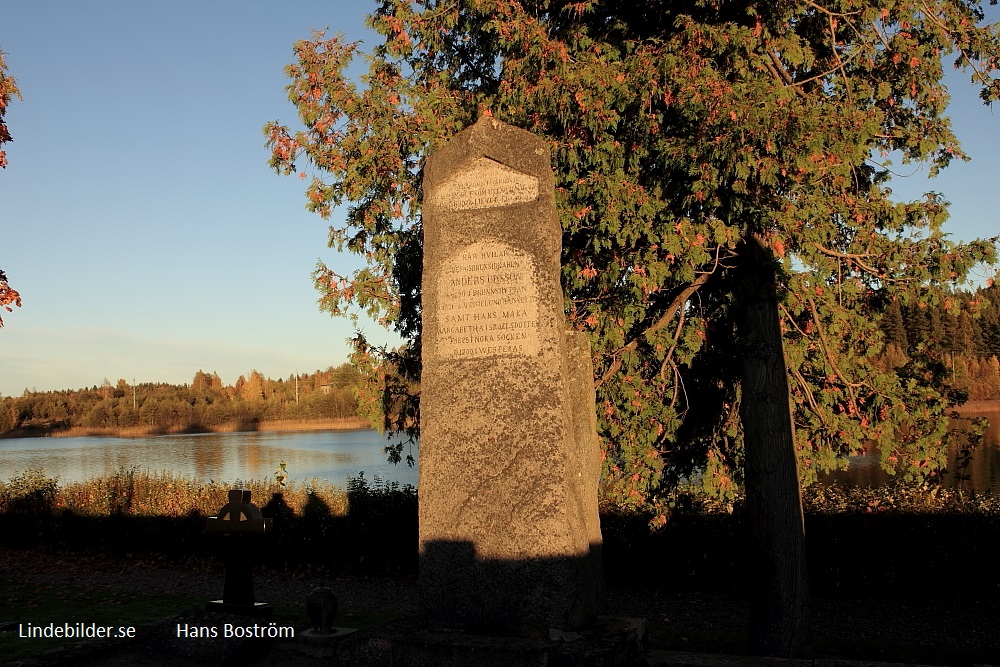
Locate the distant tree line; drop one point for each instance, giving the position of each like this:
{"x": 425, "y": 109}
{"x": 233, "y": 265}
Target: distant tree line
{"x": 963, "y": 351}
{"x": 960, "y": 338}
{"x": 205, "y": 402}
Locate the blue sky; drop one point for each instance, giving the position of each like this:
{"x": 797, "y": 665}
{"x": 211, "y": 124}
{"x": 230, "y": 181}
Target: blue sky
{"x": 139, "y": 219}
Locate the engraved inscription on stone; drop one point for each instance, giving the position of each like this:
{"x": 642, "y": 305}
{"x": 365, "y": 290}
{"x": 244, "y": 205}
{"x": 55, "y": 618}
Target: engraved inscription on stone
{"x": 486, "y": 183}
{"x": 487, "y": 303}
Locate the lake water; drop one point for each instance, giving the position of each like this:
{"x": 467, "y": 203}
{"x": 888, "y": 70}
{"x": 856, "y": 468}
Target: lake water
{"x": 983, "y": 472}
{"x": 333, "y": 456}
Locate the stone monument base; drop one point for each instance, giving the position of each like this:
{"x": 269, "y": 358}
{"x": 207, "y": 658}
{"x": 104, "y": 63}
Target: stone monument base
{"x": 256, "y": 610}
{"x": 612, "y": 642}
{"x": 310, "y": 647}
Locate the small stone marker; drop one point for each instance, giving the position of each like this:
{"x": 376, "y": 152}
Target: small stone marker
{"x": 321, "y": 606}
{"x": 241, "y": 523}
{"x": 509, "y": 457}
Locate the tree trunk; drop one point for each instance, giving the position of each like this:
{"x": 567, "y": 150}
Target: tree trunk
{"x": 778, "y": 595}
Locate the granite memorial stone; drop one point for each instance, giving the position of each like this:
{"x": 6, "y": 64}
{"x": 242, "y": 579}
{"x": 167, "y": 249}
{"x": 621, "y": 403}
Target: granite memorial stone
{"x": 509, "y": 529}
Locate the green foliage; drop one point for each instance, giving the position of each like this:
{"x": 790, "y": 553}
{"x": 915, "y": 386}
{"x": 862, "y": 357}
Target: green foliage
{"x": 119, "y": 489}
{"x": 363, "y": 496}
{"x": 679, "y": 132}
{"x": 388, "y": 394}
{"x": 28, "y": 492}
{"x": 281, "y": 475}
{"x": 897, "y": 498}
{"x": 826, "y": 499}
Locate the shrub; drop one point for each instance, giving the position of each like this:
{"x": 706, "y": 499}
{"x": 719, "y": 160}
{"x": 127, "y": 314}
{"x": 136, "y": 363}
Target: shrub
{"x": 134, "y": 492}
{"x": 29, "y": 492}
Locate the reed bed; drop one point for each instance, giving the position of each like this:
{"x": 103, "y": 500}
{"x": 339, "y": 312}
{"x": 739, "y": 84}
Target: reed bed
{"x": 135, "y": 492}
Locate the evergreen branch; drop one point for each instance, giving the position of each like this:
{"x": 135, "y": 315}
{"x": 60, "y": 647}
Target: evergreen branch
{"x": 832, "y": 16}
{"x": 842, "y": 255}
{"x": 677, "y": 383}
{"x": 887, "y": 163}
{"x": 798, "y": 374}
{"x": 830, "y": 12}
{"x": 791, "y": 320}
{"x": 665, "y": 319}
{"x": 882, "y": 38}
{"x": 670, "y": 353}
{"x": 840, "y": 63}
{"x": 678, "y": 387}
{"x": 823, "y": 75}
{"x": 851, "y": 386}
{"x": 809, "y": 395}
{"x": 980, "y": 76}
{"x": 778, "y": 70}
{"x": 856, "y": 259}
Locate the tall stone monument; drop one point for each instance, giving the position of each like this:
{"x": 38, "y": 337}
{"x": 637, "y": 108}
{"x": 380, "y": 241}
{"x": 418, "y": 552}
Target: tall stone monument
{"x": 509, "y": 458}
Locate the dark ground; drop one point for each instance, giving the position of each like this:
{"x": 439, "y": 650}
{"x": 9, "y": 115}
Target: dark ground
{"x": 956, "y": 629}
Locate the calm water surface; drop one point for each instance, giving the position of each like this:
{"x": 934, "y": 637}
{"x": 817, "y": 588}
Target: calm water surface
{"x": 983, "y": 473}
{"x": 326, "y": 455}
{"x": 333, "y": 456}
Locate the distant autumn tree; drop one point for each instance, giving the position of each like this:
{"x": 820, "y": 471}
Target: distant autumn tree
{"x": 8, "y": 295}
{"x": 722, "y": 179}
{"x": 202, "y": 381}
{"x": 252, "y": 388}
{"x": 8, "y": 90}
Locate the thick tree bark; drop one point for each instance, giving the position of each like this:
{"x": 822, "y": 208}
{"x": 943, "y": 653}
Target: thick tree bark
{"x": 778, "y": 586}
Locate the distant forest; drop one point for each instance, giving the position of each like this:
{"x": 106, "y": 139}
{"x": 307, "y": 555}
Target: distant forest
{"x": 965, "y": 348}
{"x": 204, "y": 403}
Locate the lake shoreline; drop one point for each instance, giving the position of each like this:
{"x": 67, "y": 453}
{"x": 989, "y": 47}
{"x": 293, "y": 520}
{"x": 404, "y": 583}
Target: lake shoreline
{"x": 992, "y": 405}
{"x": 61, "y": 430}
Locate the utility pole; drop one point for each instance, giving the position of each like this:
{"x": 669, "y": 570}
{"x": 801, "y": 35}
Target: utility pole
{"x": 296, "y": 387}
{"x": 133, "y": 395}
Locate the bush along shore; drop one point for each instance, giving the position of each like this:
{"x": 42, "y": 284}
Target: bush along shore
{"x": 370, "y": 526}
{"x": 896, "y": 540}
{"x": 882, "y": 560}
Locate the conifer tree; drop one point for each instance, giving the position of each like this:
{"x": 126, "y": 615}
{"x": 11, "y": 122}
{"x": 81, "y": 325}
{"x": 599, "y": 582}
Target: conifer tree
{"x": 727, "y": 234}
{"x": 988, "y": 343}
{"x": 679, "y": 131}
{"x": 893, "y": 327}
